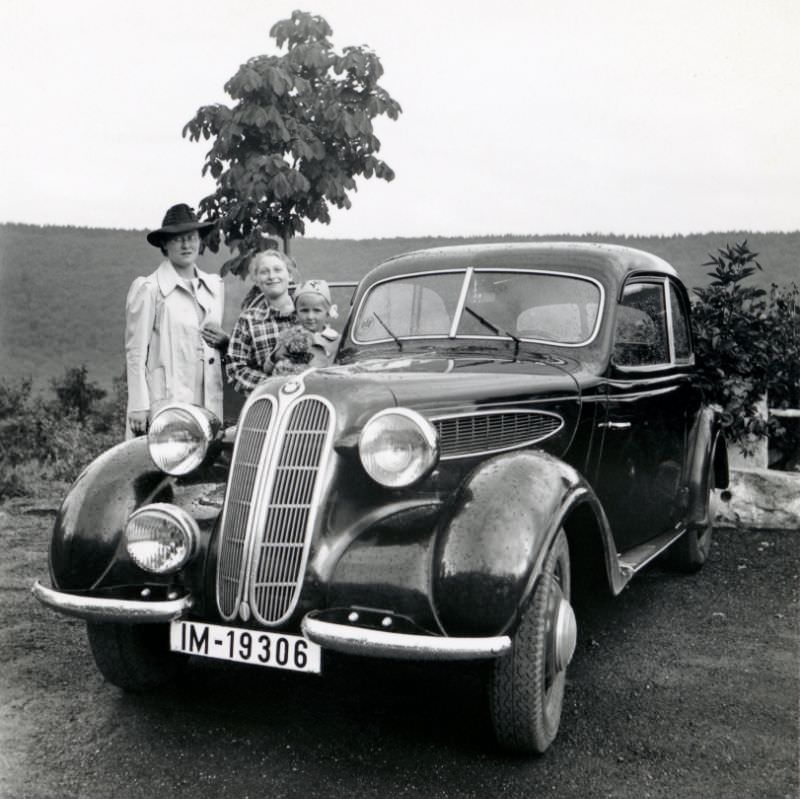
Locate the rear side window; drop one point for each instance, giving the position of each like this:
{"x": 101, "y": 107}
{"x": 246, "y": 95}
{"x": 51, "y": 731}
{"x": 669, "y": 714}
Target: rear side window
{"x": 680, "y": 326}
{"x": 640, "y": 334}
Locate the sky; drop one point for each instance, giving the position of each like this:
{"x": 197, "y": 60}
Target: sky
{"x": 628, "y": 117}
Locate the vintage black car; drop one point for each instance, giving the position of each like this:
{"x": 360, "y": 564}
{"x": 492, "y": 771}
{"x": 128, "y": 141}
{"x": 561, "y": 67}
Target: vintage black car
{"x": 505, "y": 423}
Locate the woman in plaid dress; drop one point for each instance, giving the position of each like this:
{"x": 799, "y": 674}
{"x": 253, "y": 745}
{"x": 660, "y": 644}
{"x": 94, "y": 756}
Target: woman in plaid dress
{"x": 258, "y": 328}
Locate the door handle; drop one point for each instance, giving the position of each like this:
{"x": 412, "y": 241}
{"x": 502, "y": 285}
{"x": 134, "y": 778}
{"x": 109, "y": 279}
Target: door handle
{"x": 615, "y": 425}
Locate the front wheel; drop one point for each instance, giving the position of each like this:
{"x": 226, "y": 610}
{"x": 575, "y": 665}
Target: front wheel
{"x": 134, "y": 657}
{"x": 527, "y": 684}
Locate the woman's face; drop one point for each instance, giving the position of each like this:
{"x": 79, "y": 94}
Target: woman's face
{"x": 182, "y": 249}
{"x": 271, "y": 276}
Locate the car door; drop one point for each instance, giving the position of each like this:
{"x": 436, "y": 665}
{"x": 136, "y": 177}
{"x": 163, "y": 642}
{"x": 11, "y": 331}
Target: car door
{"x": 649, "y": 403}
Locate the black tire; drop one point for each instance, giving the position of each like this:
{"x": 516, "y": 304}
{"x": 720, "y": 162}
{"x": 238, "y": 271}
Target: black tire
{"x": 134, "y": 657}
{"x": 525, "y": 696}
{"x": 690, "y": 552}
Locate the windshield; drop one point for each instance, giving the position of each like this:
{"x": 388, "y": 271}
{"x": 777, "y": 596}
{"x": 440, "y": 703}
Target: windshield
{"x": 481, "y": 303}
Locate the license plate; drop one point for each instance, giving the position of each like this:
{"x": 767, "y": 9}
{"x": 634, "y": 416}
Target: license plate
{"x": 275, "y": 650}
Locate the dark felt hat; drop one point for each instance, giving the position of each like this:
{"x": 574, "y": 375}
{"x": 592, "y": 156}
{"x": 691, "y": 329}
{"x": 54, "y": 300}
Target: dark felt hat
{"x": 178, "y": 219}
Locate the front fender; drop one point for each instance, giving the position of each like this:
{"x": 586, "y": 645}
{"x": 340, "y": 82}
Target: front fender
{"x": 85, "y": 551}
{"x": 490, "y": 545}
{"x": 90, "y": 521}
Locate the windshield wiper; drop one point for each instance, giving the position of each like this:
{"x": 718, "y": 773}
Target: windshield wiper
{"x": 495, "y": 328}
{"x": 386, "y": 328}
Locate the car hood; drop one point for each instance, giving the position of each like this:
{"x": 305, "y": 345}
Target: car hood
{"x": 417, "y": 380}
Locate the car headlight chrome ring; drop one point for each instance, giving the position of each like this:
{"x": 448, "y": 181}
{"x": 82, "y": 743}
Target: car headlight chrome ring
{"x": 398, "y": 446}
{"x": 161, "y": 538}
{"x": 179, "y": 437}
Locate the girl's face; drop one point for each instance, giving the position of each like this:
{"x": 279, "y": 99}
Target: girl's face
{"x": 182, "y": 250}
{"x": 271, "y": 276}
{"x": 312, "y": 310}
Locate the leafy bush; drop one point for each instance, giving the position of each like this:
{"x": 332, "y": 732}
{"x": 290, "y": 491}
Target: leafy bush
{"x": 783, "y": 388}
{"x": 44, "y": 440}
{"x": 748, "y": 345}
{"x": 76, "y": 394}
{"x": 784, "y": 324}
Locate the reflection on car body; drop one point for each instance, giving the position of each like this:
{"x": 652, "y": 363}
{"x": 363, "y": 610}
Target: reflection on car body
{"x": 504, "y": 422}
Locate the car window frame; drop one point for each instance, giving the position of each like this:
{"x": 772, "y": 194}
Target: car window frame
{"x": 468, "y": 272}
{"x": 679, "y": 292}
{"x": 669, "y": 286}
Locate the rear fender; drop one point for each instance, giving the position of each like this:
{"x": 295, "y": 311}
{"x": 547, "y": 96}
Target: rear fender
{"x": 708, "y": 466}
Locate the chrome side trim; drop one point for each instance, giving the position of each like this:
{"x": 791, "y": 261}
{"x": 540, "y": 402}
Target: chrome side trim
{"x": 632, "y": 560}
{"x": 133, "y": 611}
{"x": 401, "y": 646}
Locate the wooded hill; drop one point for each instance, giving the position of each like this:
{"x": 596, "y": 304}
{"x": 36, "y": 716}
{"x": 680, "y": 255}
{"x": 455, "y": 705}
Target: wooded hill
{"x": 62, "y": 289}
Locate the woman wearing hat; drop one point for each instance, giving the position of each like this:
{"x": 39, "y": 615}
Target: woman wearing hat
{"x": 173, "y": 333}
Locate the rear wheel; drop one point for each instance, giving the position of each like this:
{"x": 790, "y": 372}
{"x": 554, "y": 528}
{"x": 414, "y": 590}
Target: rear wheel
{"x": 134, "y": 657}
{"x": 690, "y": 552}
{"x": 527, "y": 684}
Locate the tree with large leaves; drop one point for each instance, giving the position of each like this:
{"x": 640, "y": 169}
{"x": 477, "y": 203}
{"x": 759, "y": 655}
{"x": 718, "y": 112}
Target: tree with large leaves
{"x": 298, "y": 134}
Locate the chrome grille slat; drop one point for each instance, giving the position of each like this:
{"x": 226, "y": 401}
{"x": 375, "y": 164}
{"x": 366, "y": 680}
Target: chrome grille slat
{"x": 250, "y": 442}
{"x": 269, "y": 508}
{"x": 493, "y": 431}
{"x": 282, "y": 547}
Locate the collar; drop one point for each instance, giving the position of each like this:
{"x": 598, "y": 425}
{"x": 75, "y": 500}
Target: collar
{"x": 274, "y": 313}
{"x": 168, "y": 279}
{"x": 328, "y": 333}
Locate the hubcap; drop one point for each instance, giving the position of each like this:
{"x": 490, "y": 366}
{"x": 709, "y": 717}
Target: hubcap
{"x": 565, "y": 634}
{"x": 561, "y": 630}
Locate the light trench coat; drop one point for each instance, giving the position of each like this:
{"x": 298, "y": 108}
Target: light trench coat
{"x": 167, "y": 359}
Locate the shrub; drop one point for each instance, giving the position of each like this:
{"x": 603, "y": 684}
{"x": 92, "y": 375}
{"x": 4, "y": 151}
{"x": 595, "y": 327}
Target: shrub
{"x": 784, "y": 376}
{"x": 747, "y": 345}
{"x": 55, "y": 440}
{"x": 76, "y": 393}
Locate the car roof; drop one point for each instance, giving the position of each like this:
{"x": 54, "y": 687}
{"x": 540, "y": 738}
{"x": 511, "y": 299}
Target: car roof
{"x": 610, "y": 261}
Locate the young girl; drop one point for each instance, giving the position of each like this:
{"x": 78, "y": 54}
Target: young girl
{"x": 313, "y": 342}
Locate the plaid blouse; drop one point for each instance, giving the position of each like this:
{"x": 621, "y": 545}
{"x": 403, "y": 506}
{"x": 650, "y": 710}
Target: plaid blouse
{"x": 254, "y": 337}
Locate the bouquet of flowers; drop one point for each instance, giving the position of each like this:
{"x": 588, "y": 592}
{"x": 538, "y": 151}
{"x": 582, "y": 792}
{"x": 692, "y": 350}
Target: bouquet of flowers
{"x": 293, "y": 351}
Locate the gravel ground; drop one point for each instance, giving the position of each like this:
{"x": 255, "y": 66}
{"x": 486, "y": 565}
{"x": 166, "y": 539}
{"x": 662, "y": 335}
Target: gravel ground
{"x": 681, "y": 686}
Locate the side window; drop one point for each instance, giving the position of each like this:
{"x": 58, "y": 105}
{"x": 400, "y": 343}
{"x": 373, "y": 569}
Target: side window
{"x": 640, "y": 335}
{"x": 680, "y": 326}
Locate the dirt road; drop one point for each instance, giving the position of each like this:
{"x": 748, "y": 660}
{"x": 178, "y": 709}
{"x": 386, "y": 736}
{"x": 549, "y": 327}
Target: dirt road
{"x": 681, "y": 687}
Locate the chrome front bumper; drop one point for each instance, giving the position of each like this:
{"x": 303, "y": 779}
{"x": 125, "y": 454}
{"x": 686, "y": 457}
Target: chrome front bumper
{"x": 329, "y": 635}
{"x": 402, "y": 646}
{"x": 131, "y": 611}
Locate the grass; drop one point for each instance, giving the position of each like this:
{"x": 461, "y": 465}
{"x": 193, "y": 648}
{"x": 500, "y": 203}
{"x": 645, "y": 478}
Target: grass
{"x": 62, "y": 289}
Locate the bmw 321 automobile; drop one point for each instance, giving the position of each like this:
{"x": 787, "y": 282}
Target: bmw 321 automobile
{"x": 503, "y": 425}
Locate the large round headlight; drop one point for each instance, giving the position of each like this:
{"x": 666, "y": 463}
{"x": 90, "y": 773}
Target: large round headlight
{"x": 397, "y": 447}
{"x": 160, "y": 538}
{"x": 179, "y": 437}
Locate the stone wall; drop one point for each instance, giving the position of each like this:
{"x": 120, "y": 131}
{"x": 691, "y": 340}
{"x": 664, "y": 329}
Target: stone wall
{"x": 759, "y": 498}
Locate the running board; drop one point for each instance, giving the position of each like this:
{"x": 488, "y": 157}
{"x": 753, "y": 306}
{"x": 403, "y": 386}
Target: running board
{"x": 637, "y": 558}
